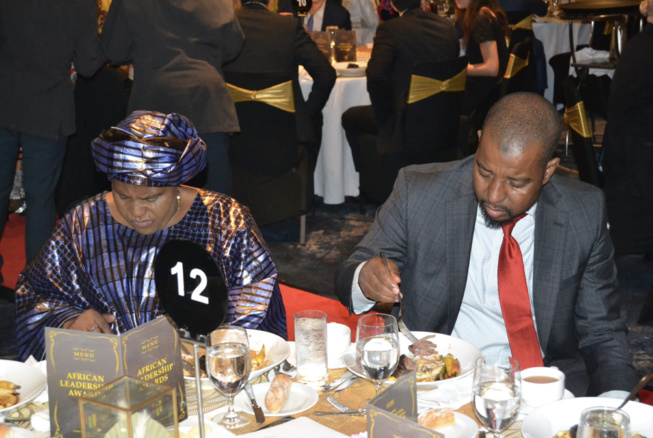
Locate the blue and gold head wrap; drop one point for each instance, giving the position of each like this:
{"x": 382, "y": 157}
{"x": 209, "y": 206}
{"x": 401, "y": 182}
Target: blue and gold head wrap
{"x": 150, "y": 149}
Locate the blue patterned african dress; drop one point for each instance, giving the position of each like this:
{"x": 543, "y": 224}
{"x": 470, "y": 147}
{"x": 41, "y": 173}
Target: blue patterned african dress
{"x": 93, "y": 261}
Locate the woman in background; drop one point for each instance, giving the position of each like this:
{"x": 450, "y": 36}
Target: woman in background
{"x": 484, "y": 27}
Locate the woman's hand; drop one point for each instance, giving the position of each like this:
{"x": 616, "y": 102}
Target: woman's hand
{"x": 490, "y": 64}
{"x": 91, "y": 321}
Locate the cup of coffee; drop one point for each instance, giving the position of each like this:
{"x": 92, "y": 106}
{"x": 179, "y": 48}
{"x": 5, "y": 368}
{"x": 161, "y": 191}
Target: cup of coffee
{"x": 542, "y": 385}
{"x": 338, "y": 341}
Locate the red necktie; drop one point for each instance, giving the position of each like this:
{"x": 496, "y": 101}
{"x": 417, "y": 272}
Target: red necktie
{"x": 515, "y": 303}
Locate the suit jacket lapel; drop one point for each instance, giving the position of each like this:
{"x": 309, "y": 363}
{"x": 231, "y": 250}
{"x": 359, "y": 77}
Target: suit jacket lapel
{"x": 549, "y": 247}
{"x": 460, "y": 218}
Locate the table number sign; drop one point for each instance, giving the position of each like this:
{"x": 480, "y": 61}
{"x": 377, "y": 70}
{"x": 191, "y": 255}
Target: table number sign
{"x": 394, "y": 412}
{"x": 79, "y": 362}
{"x": 345, "y": 45}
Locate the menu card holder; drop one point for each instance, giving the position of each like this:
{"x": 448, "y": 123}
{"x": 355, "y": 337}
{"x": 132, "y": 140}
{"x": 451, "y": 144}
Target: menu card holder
{"x": 79, "y": 362}
{"x": 322, "y": 42}
{"x": 393, "y": 413}
{"x": 345, "y": 46}
{"x": 129, "y": 408}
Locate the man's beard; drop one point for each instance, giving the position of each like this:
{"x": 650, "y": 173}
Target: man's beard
{"x": 492, "y": 223}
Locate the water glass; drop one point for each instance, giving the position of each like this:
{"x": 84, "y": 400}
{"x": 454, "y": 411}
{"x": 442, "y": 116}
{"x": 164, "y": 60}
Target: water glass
{"x": 603, "y": 422}
{"x": 496, "y": 392}
{"x": 377, "y": 347}
{"x": 228, "y": 364}
{"x": 311, "y": 347}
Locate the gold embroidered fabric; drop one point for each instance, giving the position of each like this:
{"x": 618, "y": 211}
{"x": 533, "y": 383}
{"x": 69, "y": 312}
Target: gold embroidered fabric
{"x": 279, "y": 96}
{"x": 422, "y": 87}
{"x": 576, "y": 118}
{"x": 515, "y": 65}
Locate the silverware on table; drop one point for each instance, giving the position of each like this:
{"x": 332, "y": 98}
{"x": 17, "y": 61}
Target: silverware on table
{"x": 258, "y": 412}
{"x": 278, "y": 422}
{"x": 348, "y": 383}
{"x": 400, "y": 322}
{"x": 342, "y": 379}
{"x": 344, "y": 408}
{"x": 325, "y": 413}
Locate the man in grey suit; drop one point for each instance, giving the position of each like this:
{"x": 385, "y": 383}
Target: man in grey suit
{"x": 441, "y": 230}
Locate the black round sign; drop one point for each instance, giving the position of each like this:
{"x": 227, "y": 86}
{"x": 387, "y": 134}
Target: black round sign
{"x": 301, "y": 6}
{"x": 190, "y": 287}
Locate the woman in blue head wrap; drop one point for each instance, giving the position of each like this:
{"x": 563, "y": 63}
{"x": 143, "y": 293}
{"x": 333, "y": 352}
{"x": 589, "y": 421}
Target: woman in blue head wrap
{"x": 96, "y": 271}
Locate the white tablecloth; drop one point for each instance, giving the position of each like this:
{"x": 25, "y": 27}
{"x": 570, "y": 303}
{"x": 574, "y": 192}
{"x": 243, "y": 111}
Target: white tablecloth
{"x": 554, "y": 34}
{"x": 335, "y": 176}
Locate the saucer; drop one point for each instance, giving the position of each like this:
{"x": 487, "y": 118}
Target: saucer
{"x": 526, "y": 409}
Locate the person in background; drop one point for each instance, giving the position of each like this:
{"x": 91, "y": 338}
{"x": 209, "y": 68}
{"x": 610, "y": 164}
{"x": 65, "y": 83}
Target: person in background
{"x": 275, "y": 42}
{"x": 628, "y": 146}
{"x": 323, "y": 13}
{"x": 177, "y": 49}
{"x": 364, "y": 19}
{"x": 484, "y": 28}
{"x": 39, "y": 44}
{"x": 95, "y": 273}
{"x": 499, "y": 230}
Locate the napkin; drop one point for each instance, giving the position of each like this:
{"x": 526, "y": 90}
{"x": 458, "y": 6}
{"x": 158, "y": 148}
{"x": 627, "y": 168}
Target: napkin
{"x": 449, "y": 394}
{"x": 590, "y": 55}
{"x": 299, "y": 428}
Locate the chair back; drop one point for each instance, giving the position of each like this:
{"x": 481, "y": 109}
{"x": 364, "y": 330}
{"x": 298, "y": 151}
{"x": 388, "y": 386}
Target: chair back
{"x": 520, "y": 71}
{"x": 271, "y": 171}
{"x": 581, "y": 133}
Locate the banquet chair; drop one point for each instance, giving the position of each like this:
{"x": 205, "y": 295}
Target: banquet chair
{"x": 520, "y": 72}
{"x": 272, "y": 171}
{"x": 428, "y": 126}
{"x": 581, "y": 133}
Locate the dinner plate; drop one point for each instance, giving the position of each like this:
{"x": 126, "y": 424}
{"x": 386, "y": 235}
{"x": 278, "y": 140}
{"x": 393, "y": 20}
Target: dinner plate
{"x": 464, "y": 427}
{"x": 342, "y": 70}
{"x": 19, "y": 432}
{"x": 189, "y": 428}
{"x": 276, "y": 350}
{"x": 31, "y": 381}
{"x": 547, "y": 420}
{"x": 465, "y": 352}
{"x": 525, "y": 409}
{"x": 300, "y": 398}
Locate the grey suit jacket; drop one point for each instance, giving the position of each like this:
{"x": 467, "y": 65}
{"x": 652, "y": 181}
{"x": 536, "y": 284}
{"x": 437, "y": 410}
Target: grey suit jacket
{"x": 426, "y": 227}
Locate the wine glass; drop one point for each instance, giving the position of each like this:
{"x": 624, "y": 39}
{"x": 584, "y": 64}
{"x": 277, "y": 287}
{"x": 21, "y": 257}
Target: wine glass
{"x": 228, "y": 364}
{"x": 377, "y": 347}
{"x": 496, "y": 392}
{"x": 603, "y": 422}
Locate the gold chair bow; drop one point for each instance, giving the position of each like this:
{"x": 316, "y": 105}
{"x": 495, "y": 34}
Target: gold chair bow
{"x": 526, "y": 24}
{"x": 422, "y": 87}
{"x": 279, "y": 96}
{"x": 576, "y": 118}
{"x": 515, "y": 65}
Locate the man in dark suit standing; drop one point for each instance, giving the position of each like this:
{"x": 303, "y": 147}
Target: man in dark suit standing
{"x": 323, "y": 13}
{"x": 398, "y": 44}
{"x": 444, "y": 229}
{"x": 279, "y": 43}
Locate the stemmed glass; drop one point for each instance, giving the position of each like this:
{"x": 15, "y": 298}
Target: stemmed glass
{"x": 228, "y": 364}
{"x": 497, "y": 392}
{"x": 377, "y": 347}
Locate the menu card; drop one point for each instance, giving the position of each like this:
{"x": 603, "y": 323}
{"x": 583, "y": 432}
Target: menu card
{"x": 394, "y": 412}
{"x": 345, "y": 46}
{"x": 79, "y": 362}
{"x": 321, "y": 39}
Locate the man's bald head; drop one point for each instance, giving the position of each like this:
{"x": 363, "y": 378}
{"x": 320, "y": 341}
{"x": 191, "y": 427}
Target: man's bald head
{"x": 523, "y": 120}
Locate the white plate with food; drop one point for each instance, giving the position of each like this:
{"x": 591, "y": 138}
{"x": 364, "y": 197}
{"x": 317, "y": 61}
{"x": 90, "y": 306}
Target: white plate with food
{"x": 267, "y": 349}
{"x": 350, "y": 68}
{"x": 300, "y": 398}
{"x": 557, "y": 417}
{"x": 428, "y": 374}
{"x": 29, "y": 382}
{"x": 463, "y": 427}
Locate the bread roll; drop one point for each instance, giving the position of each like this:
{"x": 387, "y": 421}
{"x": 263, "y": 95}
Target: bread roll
{"x": 438, "y": 417}
{"x": 277, "y": 395}
{"x": 6, "y": 431}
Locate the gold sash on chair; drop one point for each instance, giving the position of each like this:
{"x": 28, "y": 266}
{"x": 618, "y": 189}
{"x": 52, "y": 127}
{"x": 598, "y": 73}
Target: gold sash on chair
{"x": 515, "y": 65}
{"x": 279, "y": 96}
{"x": 576, "y": 118}
{"x": 422, "y": 87}
{"x": 525, "y": 24}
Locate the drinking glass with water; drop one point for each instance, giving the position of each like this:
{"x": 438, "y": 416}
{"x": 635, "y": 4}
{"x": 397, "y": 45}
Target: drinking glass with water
{"x": 310, "y": 347}
{"x": 377, "y": 347}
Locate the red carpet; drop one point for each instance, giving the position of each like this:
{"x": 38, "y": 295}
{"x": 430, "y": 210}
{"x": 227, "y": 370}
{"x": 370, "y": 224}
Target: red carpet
{"x": 12, "y": 248}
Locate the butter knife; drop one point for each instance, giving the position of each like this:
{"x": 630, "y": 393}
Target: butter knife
{"x": 342, "y": 379}
{"x": 258, "y": 412}
{"x": 346, "y": 384}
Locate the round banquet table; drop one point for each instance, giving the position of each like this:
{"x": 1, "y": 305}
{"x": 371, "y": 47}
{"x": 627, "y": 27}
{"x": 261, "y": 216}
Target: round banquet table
{"x": 335, "y": 176}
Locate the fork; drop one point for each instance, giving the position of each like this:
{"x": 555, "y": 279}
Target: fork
{"x": 344, "y": 408}
{"x": 400, "y": 322}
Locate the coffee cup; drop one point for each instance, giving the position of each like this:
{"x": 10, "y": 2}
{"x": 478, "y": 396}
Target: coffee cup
{"x": 338, "y": 341}
{"x": 542, "y": 385}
